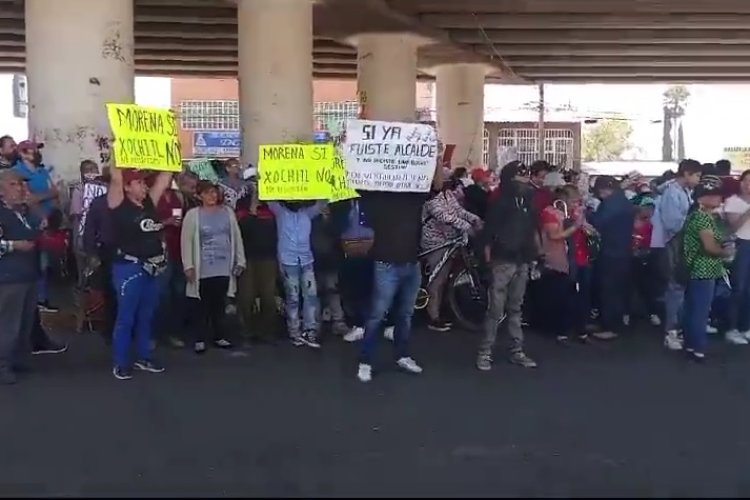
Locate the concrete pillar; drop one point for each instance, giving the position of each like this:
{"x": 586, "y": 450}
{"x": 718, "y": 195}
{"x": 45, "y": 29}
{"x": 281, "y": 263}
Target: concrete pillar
{"x": 79, "y": 56}
{"x": 460, "y": 110}
{"x": 387, "y": 75}
{"x": 275, "y": 73}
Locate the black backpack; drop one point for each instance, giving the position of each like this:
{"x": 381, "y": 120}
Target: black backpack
{"x": 678, "y": 264}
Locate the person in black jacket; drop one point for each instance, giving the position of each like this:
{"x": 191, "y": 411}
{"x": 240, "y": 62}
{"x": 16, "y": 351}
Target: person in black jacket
{"x": 326, "y": 247}
{"x": 259, "y": 280}
{"x": 613, "y": 219}
{"x": 477, "y": 195}
{"x": 510, "y": 245}
{"x": 19, "y": 272}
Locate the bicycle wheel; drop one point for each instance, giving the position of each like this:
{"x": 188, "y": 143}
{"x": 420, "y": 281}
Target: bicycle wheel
{"x": 467, "y": 299}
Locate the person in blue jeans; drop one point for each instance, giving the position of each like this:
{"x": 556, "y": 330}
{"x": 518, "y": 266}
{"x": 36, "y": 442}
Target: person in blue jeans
{"x": 704, "y": 263}
{"x": 396, "y": 221}
{"x": 294, "y": 225}
{"x": 139, "y": 259}
{"x": 737, "y": 212}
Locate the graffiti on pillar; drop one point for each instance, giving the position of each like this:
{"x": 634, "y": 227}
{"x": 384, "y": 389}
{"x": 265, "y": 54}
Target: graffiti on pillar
{"x": 105, "y": 150}
{"x": 112, "y": 46}
{"x": 362, "y": 98}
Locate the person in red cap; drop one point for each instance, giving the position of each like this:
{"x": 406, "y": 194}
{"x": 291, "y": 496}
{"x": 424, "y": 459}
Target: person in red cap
{"x": 138, "y": 261}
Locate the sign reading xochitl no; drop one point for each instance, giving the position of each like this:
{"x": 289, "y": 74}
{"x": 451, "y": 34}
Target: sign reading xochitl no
{"x": 144, "y": 137}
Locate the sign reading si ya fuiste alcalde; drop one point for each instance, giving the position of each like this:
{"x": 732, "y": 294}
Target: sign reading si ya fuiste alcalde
{"x": 144, "y": 137}
{"x": 390, "y": 156}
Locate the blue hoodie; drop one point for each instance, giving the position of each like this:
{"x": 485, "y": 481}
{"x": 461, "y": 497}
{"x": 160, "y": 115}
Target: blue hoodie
{"x": 614, "y": 220}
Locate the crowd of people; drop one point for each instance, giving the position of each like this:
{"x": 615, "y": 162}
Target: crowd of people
{"x": 171, "y": 257}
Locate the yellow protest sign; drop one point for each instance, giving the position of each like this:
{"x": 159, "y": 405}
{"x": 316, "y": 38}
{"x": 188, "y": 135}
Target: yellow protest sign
{"x": 739, "y": 156}
{"x": 295, "y": 171}
{"x": 144, "y": 137}
{"x": 340, "y": 190}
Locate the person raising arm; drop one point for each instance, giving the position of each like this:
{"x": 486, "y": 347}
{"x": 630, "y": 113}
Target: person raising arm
{"x": 139, "y": 259}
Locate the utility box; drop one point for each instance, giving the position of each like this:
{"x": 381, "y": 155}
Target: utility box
{"x": 20, "y": 96}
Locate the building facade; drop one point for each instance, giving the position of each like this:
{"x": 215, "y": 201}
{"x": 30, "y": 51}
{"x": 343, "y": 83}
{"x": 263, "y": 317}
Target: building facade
{"x": 209, "y": 113}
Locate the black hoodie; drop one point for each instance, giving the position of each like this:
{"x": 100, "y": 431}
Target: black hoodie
{"x": 510, "y": 226}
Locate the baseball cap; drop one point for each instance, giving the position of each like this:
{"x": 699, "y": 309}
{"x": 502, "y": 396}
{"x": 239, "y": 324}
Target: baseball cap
{"x": 29, "y": 145}
{"x": 479, "y": 174}
{"x": 130, "y": 174}
{"x": 605, "y": 182}
{"x": 710, "y": 185}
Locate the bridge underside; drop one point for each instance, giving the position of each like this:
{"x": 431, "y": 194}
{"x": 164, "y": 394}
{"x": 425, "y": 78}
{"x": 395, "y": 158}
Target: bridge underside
{"x": 523, "y": 40}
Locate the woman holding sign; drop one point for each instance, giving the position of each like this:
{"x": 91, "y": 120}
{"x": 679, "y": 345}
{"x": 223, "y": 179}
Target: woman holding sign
{"x": 139, "y": 259}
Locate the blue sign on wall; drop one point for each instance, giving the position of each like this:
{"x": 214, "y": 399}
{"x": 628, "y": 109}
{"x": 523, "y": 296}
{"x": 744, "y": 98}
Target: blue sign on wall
{"x": 217, "y": 144}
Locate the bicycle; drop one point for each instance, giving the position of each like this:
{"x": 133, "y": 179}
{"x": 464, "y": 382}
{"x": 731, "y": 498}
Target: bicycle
{"x": 466, "y": 290}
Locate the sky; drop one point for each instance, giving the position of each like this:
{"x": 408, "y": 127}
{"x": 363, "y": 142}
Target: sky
{"x": 715, "y": 118}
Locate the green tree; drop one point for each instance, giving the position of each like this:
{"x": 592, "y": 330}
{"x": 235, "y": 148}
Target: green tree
{"x": 675, "y": 105}
{"x": 607, "y": 140}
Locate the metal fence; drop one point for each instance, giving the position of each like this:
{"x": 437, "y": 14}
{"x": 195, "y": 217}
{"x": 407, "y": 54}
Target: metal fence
{"x": 558, "y": 144}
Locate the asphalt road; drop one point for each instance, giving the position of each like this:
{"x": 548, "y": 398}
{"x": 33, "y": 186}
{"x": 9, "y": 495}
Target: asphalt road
{"x": 625, "y": 418}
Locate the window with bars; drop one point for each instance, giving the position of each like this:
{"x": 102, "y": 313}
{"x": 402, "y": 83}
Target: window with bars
{"x": 332, "y": 116}
{"x": 558, "y": 144}
{"x": 210, "y": 115}
{"x": 225, "y": 115}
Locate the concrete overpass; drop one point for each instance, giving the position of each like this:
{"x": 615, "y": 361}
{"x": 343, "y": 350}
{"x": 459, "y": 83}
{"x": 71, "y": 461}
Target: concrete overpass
{"x": 79, "y": 54}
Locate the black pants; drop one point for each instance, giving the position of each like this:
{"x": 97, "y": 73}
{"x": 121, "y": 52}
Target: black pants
{"x": 556, "y": 306}
{"x": 355, "y": 279}
{"x": 209, "y": 309}
{"x": 614, "y": 285}
{"x": 645, "y": 285}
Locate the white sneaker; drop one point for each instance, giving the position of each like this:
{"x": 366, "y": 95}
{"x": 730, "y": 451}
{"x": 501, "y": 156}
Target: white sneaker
{"x": 388, "y": 333}
{"x": 736, "y": 338}
{"x": 626, "y": 320}
{"x": 364, "y": 374}
{"x": 655, "y": 320}
{"x": 409, "y": 365}
{"x": 673, "y": 341}
{"x": 355, "y": 334}
{"x": 711, "y": 329}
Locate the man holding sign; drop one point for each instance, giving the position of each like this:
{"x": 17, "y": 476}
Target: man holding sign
{"x": 393, "y": 166}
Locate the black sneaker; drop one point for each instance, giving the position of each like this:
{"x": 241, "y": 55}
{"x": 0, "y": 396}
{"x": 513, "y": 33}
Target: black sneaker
{"x": 149, "y": 365}
{"x": 297, "y": 340}
{"x": 47, "y": 307}
{"x": 310, "y": 340}
{"x": 50, "y": 348}
{"x": 122, "y": 372}
{"x": 438, "y": 326}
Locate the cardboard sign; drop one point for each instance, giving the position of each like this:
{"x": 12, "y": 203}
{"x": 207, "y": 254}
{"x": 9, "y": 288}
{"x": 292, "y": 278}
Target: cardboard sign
{"x": 89, "y": 192}
{"x": 144, "y": 137}
{"x": 295, "y": 172}
{"x": 204, "y": 170}
{"x": 340, "y": 189}
{"x": 390, "y": 156}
